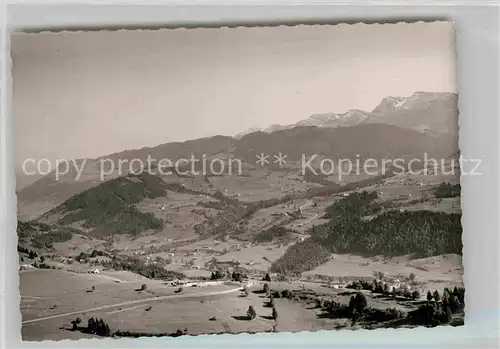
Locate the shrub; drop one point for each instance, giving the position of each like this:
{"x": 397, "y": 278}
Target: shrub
{"x": 75, "y": 323}
{"x": 265, "y": 289}
{"x": 271, "y": 301}
{"x": 251, "y": 313}
{"x": 275, "y": 314}
{"x": 286, "y": 294}
{"x": 415, "y": 295}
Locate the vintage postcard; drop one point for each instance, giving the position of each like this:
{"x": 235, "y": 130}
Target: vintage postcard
{"x": 237, "y": 180}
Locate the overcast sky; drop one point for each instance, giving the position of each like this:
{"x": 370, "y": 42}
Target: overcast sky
{"x": 90, "y": 94}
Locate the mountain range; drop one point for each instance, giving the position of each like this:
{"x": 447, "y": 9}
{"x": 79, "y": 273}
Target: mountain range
{"x": 423, "y": 111}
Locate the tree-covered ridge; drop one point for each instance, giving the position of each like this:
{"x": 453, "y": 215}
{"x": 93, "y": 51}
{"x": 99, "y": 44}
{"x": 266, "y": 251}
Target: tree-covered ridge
{"x": 447, "y": 190}
{"x": 109, "y": 207}
{"x": 424, "y": 233}
{"x": 390, "y": 233}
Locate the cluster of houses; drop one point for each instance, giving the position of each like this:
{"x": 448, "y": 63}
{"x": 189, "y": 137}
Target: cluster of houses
{"x": 398, "y": 180}
{"x": 234, "y": 194}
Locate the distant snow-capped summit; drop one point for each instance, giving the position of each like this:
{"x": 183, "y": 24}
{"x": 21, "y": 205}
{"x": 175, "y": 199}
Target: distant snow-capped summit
{"x": 244, "y": 133}
{"x": 429, "y": 112}
{"x": 331, "y": 120}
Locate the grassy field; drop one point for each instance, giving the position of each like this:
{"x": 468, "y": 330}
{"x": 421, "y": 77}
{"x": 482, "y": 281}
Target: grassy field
{"x": 66, "y": 296}
{"x": 434, "y": 272}
{"x": 51, "y": 299}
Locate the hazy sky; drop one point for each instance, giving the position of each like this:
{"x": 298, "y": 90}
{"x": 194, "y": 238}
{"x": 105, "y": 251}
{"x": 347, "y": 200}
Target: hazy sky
{"x": 90, "y": 94}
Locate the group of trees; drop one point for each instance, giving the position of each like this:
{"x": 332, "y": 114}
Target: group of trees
{"x": 270, "y": 304}
{"x": 355, "y": 205}
{"x": 282, "y": 294}
{"x": 266, "y": 289}
{"x": 43, "y": 265}
{"x": 31, "y": 254}
{"x": 99, "y": 253}
{"x": 94, "y": 326}
{"x": 300, "y": 257}
{"x": 217, "y": 275}
{"x": 432, "y": 314}
{"x": 454, "y": 298}
{"x": 43, "y": 236}
{"x": 98, "y": 327}
{"x": 354, "y": 310}
{"x": 377, "y": 286}
{"x": 274, "y": 313}
{"x": 357, "y": 305}
{"x": 84, "y": 257}
{"x": 131, "y": 334}
{"x": 358, "y": 309}
{"x": 237, "y": 276}
{"x": 390, "y": 233}
{"x": 251, "y": 313}
{"x": 27, "y": 229}
{"x": 46, "y": 240}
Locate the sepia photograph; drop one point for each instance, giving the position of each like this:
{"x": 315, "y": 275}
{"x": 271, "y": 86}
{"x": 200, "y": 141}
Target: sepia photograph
{"x": 177, "y": 182}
